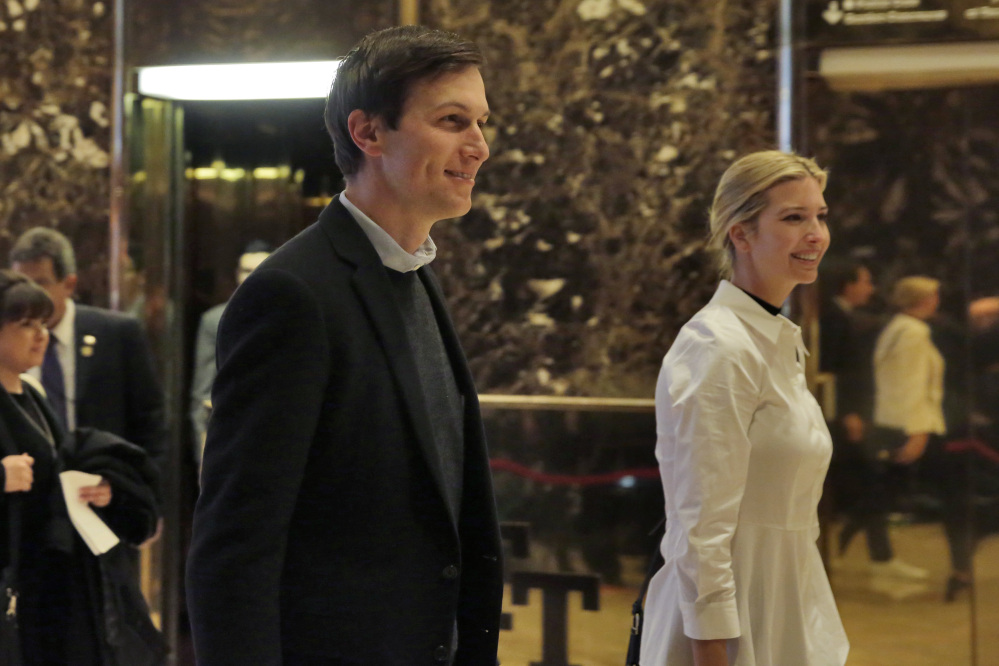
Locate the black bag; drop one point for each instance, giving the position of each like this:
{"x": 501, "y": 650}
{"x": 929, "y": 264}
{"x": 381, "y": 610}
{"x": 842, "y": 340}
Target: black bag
{"x": 10, "y": 635}
{"x": 637, "y": 608}
{"x": 881, "y": 443}
{"x": 130, "y": 637}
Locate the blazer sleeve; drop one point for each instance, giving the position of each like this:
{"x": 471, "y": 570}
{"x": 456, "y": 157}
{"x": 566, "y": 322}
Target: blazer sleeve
{"x": 145, "y": 425}
{"x": 705, "y": 400}
{"x": 267, "y": 398}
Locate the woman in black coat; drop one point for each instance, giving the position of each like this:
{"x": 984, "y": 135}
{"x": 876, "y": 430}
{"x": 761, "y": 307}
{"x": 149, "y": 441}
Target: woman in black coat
{"x": 60, "y": 602}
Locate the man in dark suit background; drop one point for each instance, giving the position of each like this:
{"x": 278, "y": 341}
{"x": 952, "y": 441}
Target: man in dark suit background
{"x": 347, "y": 513}
{"x": 98, "y": 370}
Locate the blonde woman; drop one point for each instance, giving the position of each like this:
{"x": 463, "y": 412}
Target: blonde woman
{"x": 742, "y": 446}
{"x": 909, "y": 370}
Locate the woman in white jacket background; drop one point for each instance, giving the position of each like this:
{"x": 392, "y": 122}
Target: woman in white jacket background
{"x": 909, "y": 370}
{"x": 742, "y": 445}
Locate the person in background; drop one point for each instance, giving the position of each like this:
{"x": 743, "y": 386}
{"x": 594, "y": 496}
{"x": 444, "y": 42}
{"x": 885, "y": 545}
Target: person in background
{"x": 848, "y": 334}
{"x": 743, "y": 447}
{"x": 346, "y": 513}
{"x": 204, "y": 347}
{"x": 909, "y": 373}
{"x": 98, "y": 370}
{"x": 60, "y": 608}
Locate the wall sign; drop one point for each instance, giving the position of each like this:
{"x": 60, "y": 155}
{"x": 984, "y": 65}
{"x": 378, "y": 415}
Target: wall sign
{"x": 873, "y": 22}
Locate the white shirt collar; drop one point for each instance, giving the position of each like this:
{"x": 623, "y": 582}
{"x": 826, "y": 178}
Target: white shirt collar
{"x": 389, "y": 251}
{"x": 751, "y": 312}
{"x": 64, "y": 330}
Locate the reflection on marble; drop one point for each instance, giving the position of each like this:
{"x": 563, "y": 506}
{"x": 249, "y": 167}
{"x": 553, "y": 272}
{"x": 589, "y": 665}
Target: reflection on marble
{"x": 612, "y": 120}
{"x": 55, "y": 86}
{"x": 914, "y": 185}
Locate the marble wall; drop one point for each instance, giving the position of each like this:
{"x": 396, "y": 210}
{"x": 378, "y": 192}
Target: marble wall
{"x": 611, "y": 122}
{"x": 612, "y": 119}
{"x": 55, "y": 89}
{"x": 913, "y": 187}
{"x": 194, "y": 31}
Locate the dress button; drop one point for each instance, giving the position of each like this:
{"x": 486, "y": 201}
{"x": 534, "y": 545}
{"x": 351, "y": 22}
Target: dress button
{"x": 450, "y": 572}
{"x": 441, "y": 653}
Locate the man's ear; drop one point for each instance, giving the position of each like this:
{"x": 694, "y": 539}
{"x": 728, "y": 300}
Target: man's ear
{"x": 70, "y": 282}
{"x": 367, "y": 132}
{"x": 739, "y": 237}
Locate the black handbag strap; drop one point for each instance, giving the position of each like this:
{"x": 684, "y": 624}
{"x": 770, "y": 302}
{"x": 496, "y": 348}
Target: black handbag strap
{"x": 638, "y": 608}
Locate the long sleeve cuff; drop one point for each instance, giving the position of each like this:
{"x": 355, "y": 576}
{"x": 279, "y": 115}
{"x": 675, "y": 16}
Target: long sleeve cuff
{"x": 710, "y": 621}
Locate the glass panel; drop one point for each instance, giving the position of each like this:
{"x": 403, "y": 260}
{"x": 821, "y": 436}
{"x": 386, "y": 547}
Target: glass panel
{"x": 899, "y": 534}
{"x": 585, "y": 483}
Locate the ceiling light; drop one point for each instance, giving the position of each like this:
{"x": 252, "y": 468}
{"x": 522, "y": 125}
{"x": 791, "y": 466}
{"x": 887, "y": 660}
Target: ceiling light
{"x": 266, "y": 80}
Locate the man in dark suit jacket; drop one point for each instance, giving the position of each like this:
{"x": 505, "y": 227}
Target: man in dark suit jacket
{"x": 106, "y": 377}
{"x": 347, "y": 513}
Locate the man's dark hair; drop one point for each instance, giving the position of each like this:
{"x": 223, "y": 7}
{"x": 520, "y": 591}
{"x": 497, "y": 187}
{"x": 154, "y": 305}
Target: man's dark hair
{"x": 20, "y": 298}
{"x": 377, "y": 75}
{"x": 837, "y": 273}
{"x": 40, "y": 242}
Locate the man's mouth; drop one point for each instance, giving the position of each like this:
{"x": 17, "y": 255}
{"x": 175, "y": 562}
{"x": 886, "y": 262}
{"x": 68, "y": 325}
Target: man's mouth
{"x": 806, "y": 256}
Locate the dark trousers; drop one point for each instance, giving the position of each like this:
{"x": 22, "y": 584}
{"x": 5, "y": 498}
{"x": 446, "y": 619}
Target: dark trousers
{"x": 861, "y": 495}
{"x": 947, "y": 476}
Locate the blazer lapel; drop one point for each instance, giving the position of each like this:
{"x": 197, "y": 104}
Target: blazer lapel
{"x": 375, "y": 291}
{"x": 20, "y": 428}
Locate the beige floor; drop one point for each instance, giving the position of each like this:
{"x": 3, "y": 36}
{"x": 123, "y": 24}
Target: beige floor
{"x": 889, "y": 622}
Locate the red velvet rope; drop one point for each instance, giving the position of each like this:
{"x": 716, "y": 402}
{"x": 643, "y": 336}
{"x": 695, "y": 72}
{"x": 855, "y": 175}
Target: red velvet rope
{"x": 500, "y": 464}
{"x": 973, "y": 445}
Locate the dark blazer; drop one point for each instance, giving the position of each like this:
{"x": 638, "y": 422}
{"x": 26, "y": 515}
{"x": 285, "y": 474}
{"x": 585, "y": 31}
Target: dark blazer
{"x": 322, "y": 528}
{"x": 846, "y": 349}
{"x": 116, "y": 385}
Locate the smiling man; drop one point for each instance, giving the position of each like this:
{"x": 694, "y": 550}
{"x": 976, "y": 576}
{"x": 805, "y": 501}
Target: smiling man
{"x": 347, "y": 513}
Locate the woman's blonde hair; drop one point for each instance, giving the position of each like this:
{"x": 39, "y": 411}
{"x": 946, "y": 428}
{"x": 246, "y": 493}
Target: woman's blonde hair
{"x": 742, "y": 194}
{"x": 913, "y": 290}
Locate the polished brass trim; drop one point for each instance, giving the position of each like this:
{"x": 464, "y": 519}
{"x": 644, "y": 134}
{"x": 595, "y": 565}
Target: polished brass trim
{"x": 117, "y": 211}
{"x": 565, "y": 403}
{"x": 409, "y": 12}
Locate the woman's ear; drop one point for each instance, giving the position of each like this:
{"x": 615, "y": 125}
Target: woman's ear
{"x": 366, "y": 131}
{"x": 739, "y": 236}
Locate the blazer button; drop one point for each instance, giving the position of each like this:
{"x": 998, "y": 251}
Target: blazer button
{"x": 441, "y": 653}
{"x": 450, "y": 572}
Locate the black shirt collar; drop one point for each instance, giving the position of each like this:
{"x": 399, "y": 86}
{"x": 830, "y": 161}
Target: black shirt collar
{"x": 763, "y": 304}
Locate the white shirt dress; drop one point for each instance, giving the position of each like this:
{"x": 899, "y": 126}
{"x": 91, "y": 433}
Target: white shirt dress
{"x": 743, "y": 450}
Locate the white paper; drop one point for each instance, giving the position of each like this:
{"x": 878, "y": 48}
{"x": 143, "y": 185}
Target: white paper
{"x": 95, "y": 533}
